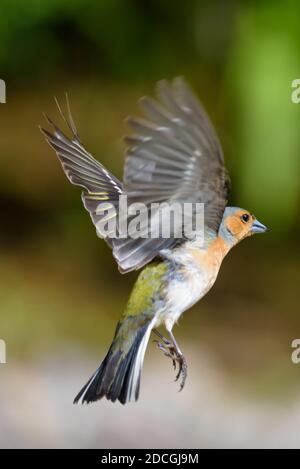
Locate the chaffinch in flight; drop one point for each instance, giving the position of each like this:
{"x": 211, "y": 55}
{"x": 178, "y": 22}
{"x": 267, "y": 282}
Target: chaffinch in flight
{"x": 173, "y": 156}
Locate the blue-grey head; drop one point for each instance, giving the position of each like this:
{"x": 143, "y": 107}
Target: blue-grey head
{"x": 238, "y": 224}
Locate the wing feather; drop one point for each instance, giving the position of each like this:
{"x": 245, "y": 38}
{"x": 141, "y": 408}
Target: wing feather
{"x": 173, "y": 155}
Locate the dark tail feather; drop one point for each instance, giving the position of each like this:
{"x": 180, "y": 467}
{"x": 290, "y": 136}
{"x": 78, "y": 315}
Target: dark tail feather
{"x": 118, "y": 376}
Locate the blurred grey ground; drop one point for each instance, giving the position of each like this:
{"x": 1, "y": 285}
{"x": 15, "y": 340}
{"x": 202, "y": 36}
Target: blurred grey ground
{"x": 36, "y": 410}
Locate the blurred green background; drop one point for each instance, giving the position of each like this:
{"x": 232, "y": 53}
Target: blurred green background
{"x": 60, "y": 291}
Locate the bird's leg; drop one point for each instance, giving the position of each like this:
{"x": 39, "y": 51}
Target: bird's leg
{"x": 170, "y": 349}
{"x": 166, "y": 346}
{"x": 181, "y": 361}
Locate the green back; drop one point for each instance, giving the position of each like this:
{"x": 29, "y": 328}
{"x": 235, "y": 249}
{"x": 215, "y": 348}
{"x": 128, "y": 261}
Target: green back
{"x": 147, "y": 289}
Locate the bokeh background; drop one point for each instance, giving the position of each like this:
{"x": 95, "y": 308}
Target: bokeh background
{"x": 60, "y": 291}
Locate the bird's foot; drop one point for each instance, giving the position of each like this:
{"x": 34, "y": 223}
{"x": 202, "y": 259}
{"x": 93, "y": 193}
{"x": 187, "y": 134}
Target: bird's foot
{"x": 182, "y": 372}
{"x": 171, "y": 350}
{"x": 168, "y": 349}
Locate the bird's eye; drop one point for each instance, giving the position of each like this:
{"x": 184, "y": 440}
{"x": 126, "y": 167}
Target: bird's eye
{"x": 245, "y": 217}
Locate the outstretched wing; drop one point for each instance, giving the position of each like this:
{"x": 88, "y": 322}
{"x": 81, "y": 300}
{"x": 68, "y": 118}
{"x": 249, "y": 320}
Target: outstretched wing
{"x": 83, "y": 170}
{"x": 173, "y": 156}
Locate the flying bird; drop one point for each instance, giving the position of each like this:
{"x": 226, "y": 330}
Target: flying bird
{"x": 173, "y": 155}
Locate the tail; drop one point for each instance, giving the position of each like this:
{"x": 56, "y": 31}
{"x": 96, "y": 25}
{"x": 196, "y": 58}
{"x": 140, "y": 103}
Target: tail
{"x": 118, "y": 376}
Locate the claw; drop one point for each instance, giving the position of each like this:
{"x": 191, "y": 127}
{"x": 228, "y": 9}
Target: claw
{"x": 182, "y": 372}
{"x": 170, "y": 349}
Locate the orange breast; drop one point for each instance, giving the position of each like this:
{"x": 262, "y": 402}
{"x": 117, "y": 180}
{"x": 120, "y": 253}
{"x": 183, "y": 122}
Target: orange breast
{"x": 211, "y": 258}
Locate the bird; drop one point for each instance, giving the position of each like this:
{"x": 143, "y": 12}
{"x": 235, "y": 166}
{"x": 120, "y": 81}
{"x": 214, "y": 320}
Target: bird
{"x": 173, "y": 155}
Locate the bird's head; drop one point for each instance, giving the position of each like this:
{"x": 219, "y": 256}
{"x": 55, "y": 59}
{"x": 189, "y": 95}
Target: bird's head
{"x": 238, "y": 224}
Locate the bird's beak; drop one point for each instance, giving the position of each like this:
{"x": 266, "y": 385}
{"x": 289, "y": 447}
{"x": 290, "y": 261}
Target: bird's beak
{"x": 258, "y": 227}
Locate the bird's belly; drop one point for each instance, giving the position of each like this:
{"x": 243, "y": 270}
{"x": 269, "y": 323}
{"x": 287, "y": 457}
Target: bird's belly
{"x": 182, "y": 293}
